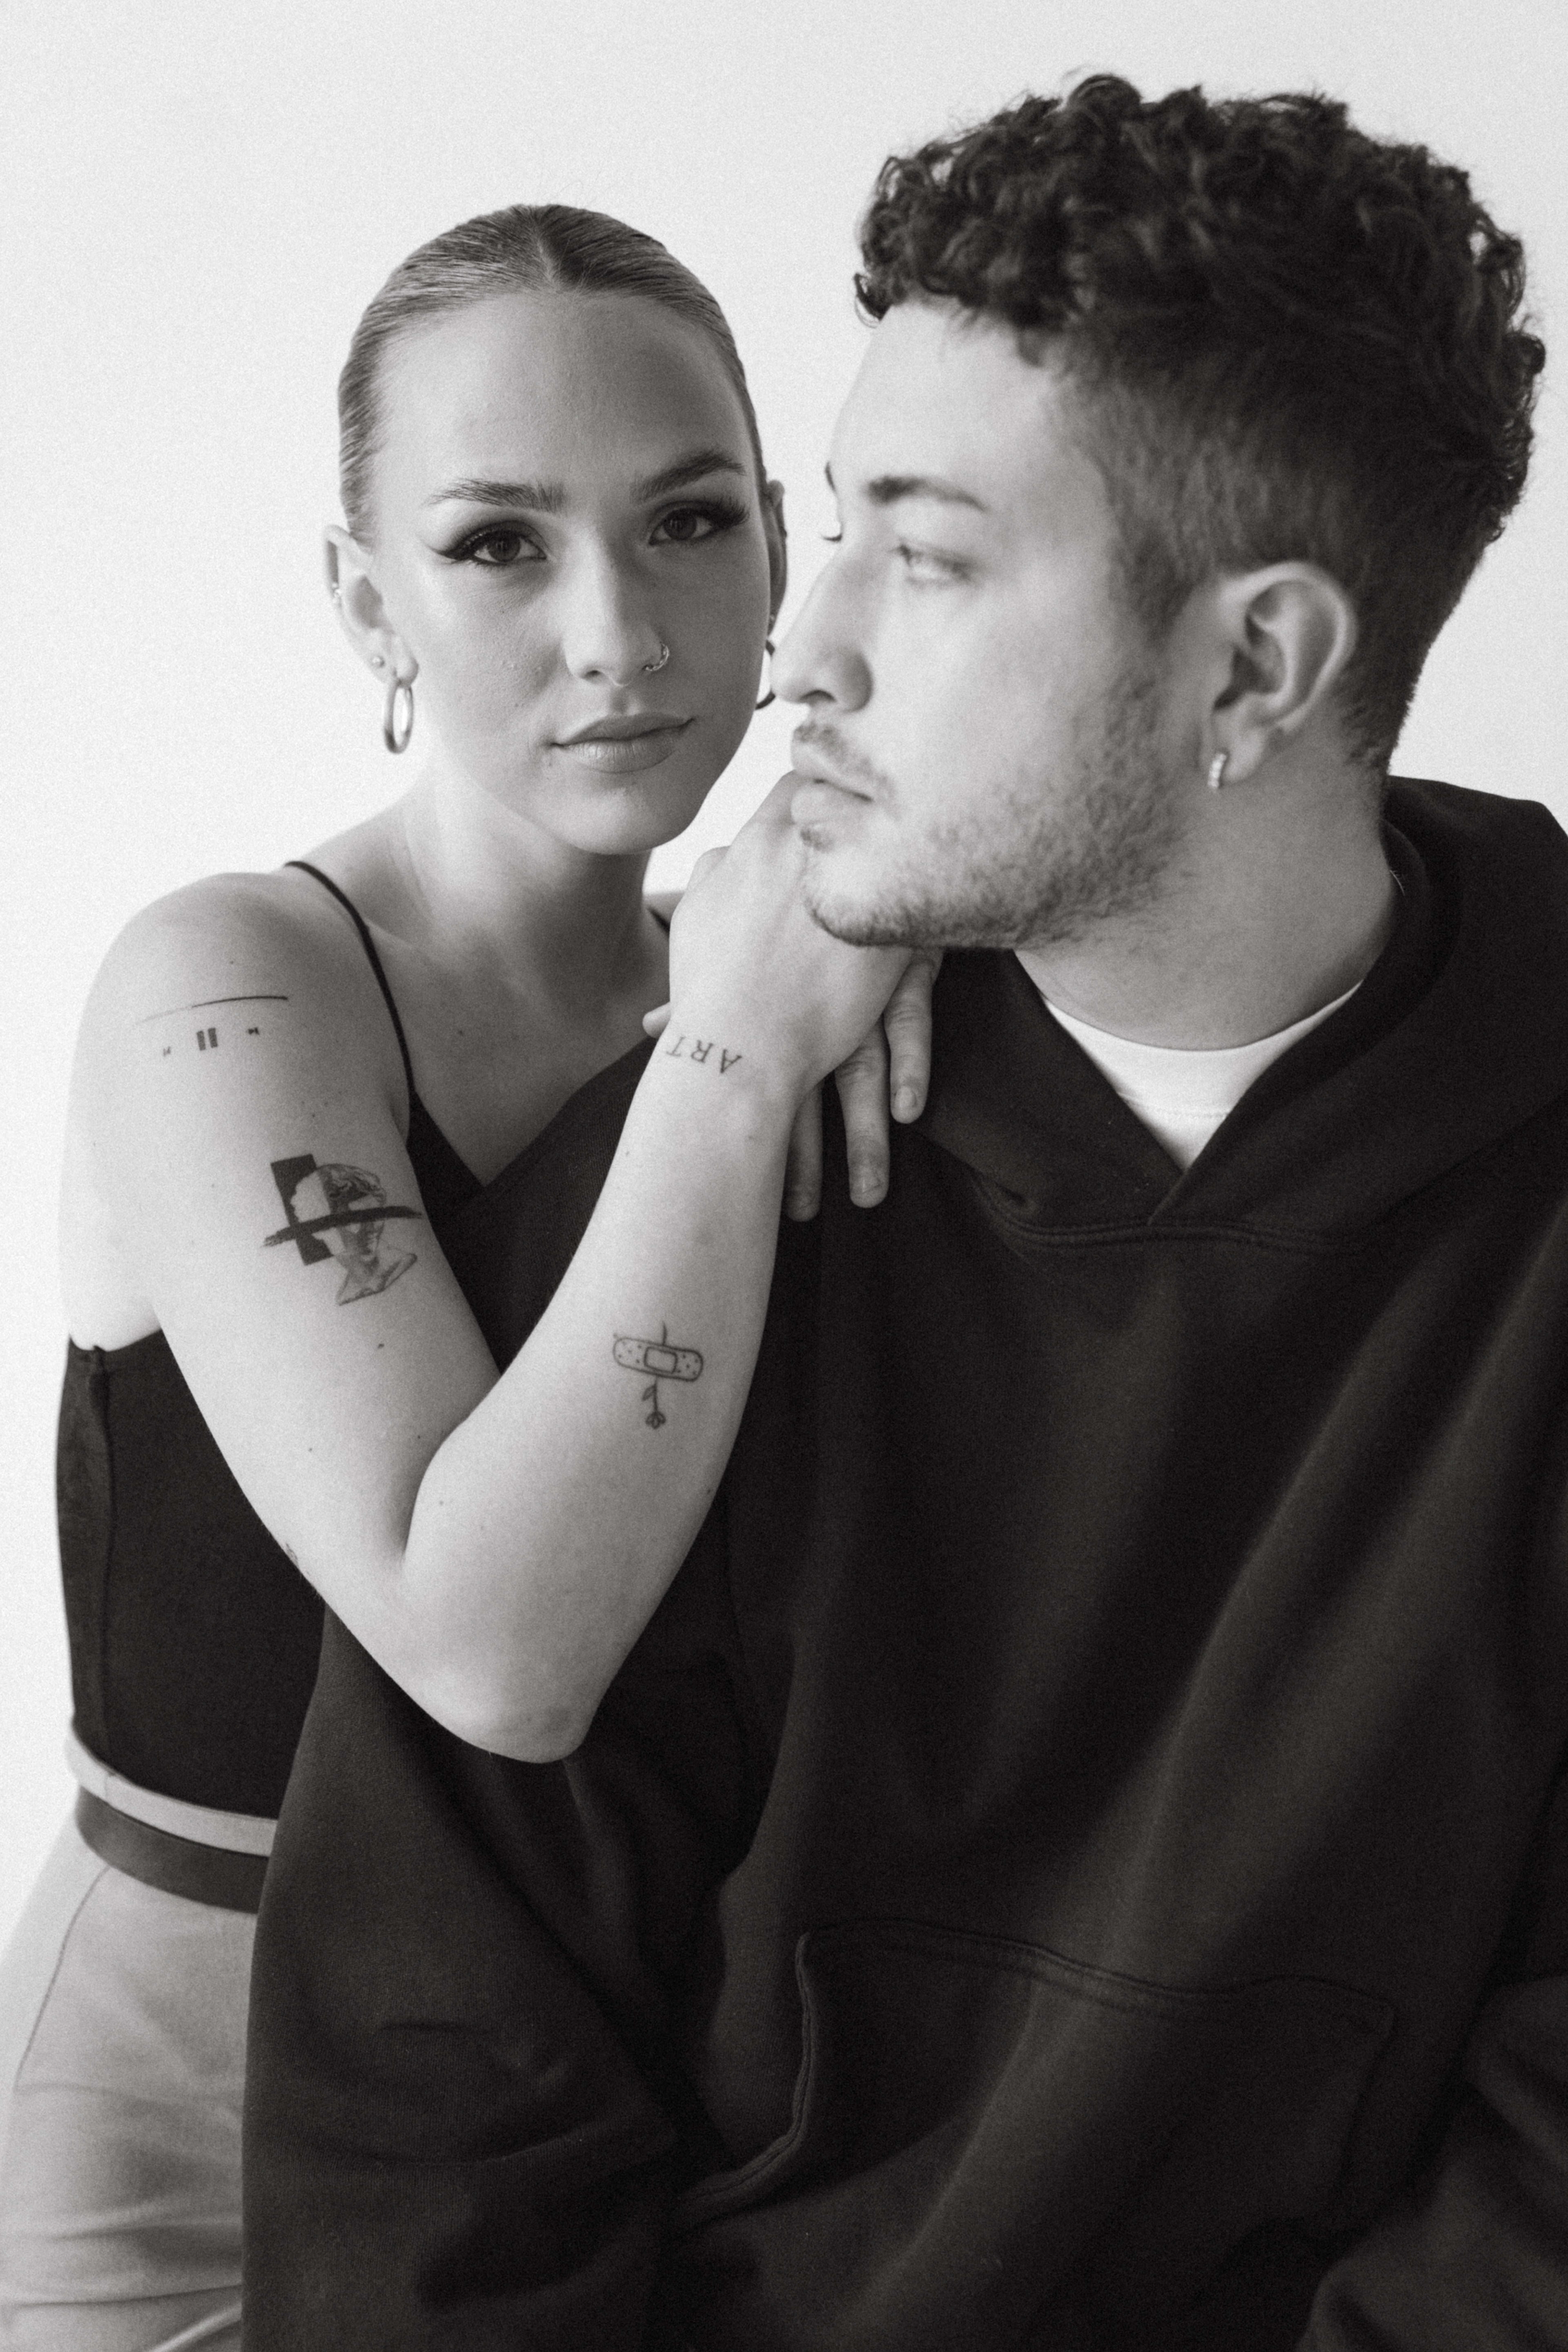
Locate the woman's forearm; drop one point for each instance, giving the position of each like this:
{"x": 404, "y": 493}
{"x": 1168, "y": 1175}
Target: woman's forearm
{"x": 549, "y": 1522}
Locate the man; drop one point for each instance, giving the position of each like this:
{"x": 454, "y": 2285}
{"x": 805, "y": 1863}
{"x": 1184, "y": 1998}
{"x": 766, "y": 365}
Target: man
{"x": 1078, "y": 1860}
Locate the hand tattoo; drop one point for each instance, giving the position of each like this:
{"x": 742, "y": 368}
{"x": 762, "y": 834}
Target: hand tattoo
{"x": 665, "y": 1362}
{"x": 335, "y": 1211}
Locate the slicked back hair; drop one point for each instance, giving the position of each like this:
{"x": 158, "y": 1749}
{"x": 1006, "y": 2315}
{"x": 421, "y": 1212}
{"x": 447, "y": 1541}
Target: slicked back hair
{"x": 1285, "y": 340}
{"x": 529, "y": 248}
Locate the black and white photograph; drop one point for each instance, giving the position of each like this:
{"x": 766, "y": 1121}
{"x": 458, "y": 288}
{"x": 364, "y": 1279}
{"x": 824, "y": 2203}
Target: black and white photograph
{"x": 785, "y": 1518}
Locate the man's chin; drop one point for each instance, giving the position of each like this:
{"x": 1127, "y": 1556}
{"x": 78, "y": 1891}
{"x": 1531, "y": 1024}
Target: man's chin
{"x": 872, "y": 917}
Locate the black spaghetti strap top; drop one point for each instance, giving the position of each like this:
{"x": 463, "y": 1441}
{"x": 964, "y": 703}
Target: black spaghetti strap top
{"x": 193, "y": 1639}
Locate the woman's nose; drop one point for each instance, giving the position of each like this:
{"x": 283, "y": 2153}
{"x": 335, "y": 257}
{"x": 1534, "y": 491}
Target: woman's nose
{"x": 609, "y": 630}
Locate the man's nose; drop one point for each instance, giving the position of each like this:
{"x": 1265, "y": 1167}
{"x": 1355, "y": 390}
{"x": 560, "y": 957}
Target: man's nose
{"x": 821, "y": 660}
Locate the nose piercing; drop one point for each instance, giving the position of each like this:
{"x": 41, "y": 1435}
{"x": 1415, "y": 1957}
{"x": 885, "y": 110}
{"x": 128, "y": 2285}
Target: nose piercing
{"x": 649, "y": 667}
{"x": 1218, "y": 767}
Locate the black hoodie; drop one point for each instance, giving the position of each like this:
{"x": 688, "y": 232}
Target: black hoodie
{"x": 1075, "y": 1864}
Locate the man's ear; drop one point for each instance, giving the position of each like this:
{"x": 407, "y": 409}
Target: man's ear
{"x": 778, "y": 548}
{"x": 351, "y": 583}
{"x": 1289, "y": 630}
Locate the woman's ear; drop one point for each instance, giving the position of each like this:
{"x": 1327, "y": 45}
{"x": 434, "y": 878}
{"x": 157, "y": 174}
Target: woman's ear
{"x": 1290, "y": 631}
{"x": 778, "y": 547}
{"x": 351, "y": 583}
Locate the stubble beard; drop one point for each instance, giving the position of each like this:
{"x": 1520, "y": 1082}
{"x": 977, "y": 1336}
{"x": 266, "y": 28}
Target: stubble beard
{"x": 1034, "y": 867}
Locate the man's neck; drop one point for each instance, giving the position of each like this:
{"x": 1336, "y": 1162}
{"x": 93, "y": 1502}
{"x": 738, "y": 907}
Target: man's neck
{"x": 1275, "y": 913}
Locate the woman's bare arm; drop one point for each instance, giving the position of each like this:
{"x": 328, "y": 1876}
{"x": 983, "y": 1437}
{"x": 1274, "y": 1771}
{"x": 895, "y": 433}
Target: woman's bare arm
{"x": 496, "y": 1544}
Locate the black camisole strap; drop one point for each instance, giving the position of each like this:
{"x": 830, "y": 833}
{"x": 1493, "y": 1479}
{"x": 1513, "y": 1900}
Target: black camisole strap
{"x": 363, "y": 927}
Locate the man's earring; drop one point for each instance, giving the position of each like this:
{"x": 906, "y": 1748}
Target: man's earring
{"x": 769, "y": 696}
{"x": 1218, "y": 767}
{"x": 393, "y": 735}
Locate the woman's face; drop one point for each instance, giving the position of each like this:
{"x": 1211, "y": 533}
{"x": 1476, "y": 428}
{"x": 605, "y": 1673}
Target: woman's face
{"x": 565, "y": 485}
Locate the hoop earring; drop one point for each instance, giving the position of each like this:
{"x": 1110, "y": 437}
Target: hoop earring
{"x": 769, "y": 695}
{"x": 1218, "y": 767}
{"x": 395, "y": 739}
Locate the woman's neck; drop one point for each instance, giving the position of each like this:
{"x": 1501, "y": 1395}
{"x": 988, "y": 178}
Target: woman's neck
{"x": 550, "y": 918}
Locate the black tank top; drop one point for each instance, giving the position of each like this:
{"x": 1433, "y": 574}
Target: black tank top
{"x": 193, "y": 1638}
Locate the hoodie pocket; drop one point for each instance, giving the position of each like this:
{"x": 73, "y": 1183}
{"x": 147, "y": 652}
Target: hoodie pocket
{"x": 993, "y": 2147}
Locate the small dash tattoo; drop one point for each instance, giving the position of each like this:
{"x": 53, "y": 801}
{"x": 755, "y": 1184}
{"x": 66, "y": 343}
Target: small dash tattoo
{"x": 204, "y": 1003}
{"x": 335, "y": 1211}
{"x": 665, "y": 1363}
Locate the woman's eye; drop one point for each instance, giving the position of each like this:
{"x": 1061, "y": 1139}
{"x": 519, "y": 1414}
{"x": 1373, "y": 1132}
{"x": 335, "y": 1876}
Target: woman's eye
{"x": 690, "y": 526}
{"x": 497, "y": 548}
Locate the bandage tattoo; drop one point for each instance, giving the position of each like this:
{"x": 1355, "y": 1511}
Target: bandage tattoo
{"x": 336, "y": 1211}
{"x": 665, "y": 1363}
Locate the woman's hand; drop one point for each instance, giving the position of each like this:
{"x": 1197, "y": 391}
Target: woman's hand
{"x": 887, "y": 1076}
{"x": 753, "y": 945}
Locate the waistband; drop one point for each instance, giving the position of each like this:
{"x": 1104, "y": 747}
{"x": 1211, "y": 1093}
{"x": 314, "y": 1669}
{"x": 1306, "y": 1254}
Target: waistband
{"x": 192, "y": 1849}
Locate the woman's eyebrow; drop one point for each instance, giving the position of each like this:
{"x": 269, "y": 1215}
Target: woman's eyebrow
{"x": 544, "y": 498}
{"x": 552, "y": 498}
{"x": 684, "y": 470}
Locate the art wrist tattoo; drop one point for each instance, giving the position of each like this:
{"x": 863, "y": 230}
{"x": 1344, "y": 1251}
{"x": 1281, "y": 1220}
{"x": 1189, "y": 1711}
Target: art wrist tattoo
{"x": 339, "y": 1211}
{"x": 701, "y": 1049}
{"x": 665, "y": 1363}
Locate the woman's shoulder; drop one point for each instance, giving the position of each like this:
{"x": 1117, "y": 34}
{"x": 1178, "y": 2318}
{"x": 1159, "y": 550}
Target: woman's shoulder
{"x": 219, "y": 937}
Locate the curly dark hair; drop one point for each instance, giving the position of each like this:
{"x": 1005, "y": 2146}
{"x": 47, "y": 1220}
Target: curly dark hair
{"x": 1286, "y": 340}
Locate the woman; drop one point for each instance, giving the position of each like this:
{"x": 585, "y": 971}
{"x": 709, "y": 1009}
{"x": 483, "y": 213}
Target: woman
{"x": 560, "y": 538}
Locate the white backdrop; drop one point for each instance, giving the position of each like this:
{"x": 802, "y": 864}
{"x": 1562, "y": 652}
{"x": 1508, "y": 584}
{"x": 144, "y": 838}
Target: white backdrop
{"x": 198, "y": 200}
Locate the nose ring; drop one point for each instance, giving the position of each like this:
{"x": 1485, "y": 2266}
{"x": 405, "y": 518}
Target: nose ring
{"x": 649, "y": 667}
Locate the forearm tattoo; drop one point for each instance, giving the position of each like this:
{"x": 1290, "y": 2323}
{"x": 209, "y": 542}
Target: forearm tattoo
{"x": 698, "y": 1049}
{"x": 665, "y": 1362}
{"x": 336, "y": 1211}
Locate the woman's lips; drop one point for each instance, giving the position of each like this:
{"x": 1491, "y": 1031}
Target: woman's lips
{"x": 619, "y": 747}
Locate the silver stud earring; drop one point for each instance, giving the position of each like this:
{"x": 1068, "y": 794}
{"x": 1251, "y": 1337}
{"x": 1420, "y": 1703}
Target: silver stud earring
{"x": 1218, "y": 767}
{"x": 378, "y": 661}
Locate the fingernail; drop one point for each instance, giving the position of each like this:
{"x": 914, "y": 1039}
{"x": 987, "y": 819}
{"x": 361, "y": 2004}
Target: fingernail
{"x": 866, "y": 1183}
{"x": 906, "y": 1102}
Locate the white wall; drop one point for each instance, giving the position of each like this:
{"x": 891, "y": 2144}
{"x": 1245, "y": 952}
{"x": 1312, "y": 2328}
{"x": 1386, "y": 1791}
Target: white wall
{"x": 199, "y": 198}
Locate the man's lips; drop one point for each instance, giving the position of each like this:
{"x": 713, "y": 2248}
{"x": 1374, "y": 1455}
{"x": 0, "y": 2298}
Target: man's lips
{"x": 812, "y": 769}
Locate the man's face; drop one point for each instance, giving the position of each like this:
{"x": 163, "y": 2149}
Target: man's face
{"x": 989, "y": 748}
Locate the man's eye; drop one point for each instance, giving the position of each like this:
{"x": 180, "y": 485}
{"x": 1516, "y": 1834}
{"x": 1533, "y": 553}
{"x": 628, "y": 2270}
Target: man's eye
{"x": 497, "y": 548}
{"x": 690, "y": 526}
{"x": 921, "y": 564}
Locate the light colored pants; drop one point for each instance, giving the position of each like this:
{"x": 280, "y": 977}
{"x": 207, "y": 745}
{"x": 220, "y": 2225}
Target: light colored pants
{"x": 123, "y": 2013}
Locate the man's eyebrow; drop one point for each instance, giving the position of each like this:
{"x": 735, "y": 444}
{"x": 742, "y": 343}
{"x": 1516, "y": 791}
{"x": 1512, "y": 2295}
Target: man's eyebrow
{"x": 551, "y": 498}
{"x": 887, "y": 491}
